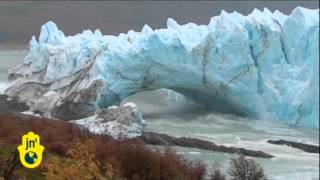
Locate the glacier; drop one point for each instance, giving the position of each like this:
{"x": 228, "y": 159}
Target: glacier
{"x": 264, "y": 65}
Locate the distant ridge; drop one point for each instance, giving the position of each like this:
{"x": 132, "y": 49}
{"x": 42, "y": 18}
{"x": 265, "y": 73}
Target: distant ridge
{"x": 20, "y": 20}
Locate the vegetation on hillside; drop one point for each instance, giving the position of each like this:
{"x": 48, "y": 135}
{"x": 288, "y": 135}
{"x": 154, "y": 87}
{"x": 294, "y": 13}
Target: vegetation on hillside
{"x": 72, "y": 152}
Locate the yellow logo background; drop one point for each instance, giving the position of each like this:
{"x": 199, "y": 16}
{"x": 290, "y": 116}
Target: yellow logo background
{"x": 30, "y": 150}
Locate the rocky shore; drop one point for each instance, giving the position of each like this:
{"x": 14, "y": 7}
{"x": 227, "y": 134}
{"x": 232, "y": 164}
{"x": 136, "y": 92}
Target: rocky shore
{"x": 166, "y": 140}
{"x": 304, "y": 147}
{"x": 11, "y": 105}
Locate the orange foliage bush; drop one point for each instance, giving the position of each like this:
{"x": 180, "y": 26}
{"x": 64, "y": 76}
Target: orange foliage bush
{"x": 82, "y": 164}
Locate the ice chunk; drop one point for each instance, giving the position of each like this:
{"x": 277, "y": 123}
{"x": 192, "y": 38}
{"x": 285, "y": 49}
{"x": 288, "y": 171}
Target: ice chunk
{"x": 119, "y": 122}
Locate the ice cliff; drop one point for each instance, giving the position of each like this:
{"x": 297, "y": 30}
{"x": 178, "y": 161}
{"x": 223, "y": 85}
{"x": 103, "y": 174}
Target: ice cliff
{"x": 264, "y": 65}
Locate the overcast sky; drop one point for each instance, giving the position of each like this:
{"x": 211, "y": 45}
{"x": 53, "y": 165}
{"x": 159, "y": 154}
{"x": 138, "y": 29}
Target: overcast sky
{"x": 20, "y": 20}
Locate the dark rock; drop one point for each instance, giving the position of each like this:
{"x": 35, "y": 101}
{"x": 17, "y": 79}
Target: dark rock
{"x": 11, "y": 105}
{"x": 65, "y": 111}
{"x": 166, "y": 140}
{"x": 304, "y": 147}
{"x": 71, "y": 110}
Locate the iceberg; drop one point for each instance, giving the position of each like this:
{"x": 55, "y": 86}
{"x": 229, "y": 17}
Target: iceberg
{"x": 264, "y": 65}
{"x": 119, "y": 122}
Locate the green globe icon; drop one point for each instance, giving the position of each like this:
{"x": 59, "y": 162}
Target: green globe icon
{"x": 30, "y": 157}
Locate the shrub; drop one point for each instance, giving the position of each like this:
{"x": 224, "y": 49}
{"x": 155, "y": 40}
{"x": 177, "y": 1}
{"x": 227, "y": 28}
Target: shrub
{"x": 82, "y": 164}
{"x": 216, "y": 173}
{"x": 198, "y": 170}
{"x": 72, "y": 152}
{"x": 242, "y": 168}
{"x": 12, "y": 127}
{"x": 58, "y": 148}
{"x": 8, "y": 164}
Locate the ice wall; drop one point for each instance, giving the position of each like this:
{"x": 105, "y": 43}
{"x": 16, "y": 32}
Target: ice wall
{"x": 263, "y": 65}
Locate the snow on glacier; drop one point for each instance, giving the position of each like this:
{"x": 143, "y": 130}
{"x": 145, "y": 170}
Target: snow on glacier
{"x": 264, "y": 65}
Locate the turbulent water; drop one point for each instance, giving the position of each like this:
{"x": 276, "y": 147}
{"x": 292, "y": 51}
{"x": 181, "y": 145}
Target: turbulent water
{"x": 189, "y": 120}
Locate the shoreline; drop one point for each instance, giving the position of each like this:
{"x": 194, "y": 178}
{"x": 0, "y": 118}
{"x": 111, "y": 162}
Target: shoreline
{"x": 157, "y": 138}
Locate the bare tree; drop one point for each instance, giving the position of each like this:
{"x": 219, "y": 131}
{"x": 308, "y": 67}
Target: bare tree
{"x": 242, "y": 168}
{"x": 9, "y": 165}
{"x": 216, "y": 173}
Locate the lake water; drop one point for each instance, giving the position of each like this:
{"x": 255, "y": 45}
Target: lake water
{"x": 189, "y": 120}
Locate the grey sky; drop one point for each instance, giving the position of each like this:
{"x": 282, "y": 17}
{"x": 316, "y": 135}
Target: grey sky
{"x": 20, "y": 20}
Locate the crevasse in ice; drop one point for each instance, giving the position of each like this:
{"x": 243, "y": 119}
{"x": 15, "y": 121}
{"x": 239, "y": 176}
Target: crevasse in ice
{"x": 264, "y": 65}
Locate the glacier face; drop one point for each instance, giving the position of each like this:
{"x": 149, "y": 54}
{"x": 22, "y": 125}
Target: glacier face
{"x": 264, "y": 65}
